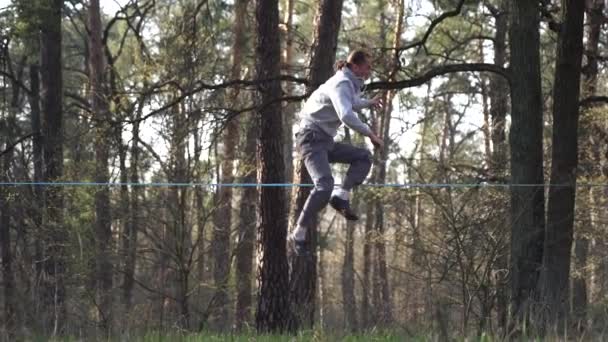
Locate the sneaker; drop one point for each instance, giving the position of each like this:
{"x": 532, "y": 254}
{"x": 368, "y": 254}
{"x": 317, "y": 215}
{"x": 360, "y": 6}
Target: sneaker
{"x": 301, "y": 248}
{"x": 343, "y": 207}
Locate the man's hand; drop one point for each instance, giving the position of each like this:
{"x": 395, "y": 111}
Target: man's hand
{"x": 377, "y": 102}
{"x": 378, "y": 142}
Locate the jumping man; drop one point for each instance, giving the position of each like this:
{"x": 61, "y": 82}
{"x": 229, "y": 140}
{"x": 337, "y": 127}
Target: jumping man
{"x": 332, "y": 104}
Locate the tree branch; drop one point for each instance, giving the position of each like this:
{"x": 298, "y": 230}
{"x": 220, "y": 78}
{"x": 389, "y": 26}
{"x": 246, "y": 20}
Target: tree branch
{"x": 16, "y": 81}
{"x": 593, "y": 100}
{"x": 205, "y": 86}
{"x": 12, "y": 146}
{"x": 431, "y": 27}
{"x": 440, "y": 71}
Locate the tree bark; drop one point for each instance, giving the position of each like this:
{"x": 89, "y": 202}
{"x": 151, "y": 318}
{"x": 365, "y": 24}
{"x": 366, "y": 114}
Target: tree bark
{"x": 289, "y": 112}
{"x": 349, "y": 300}
{"x": 37, "y": 191}
{"x": 385, "y": 310}
{"x": 103, "y": 218}
{"x": 223, "y": 211}
{"x": 595, "y": 17}
{"x": 247, "y": 224}
{"x": 8, "y": 278}
{"x": 273, "y": 303}
{"x": 367, "y": 317}
{"x": 589, "y": 154}
{"x": 555, "y": 275}
{"x": 499, "y": 107}
{"x": 130, "y": 246}
{"x": 55, "y": 235}
{"x": 526, "y": 141}
{"x": 178, "y": 235}
{"x": 245, "y": 248}
{"x": 322, "y": 56}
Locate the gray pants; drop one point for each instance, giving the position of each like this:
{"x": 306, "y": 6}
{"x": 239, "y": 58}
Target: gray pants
{"x": 319, "y": 150}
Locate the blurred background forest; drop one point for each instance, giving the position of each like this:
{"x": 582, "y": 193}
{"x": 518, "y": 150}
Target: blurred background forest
{"x": 161, "y": 98}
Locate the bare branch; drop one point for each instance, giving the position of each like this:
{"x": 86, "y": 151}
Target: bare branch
{"x": 440, "y": 71}
{"x": 431, "y": 27}
{"x": 19, "y": 141}
{"x": 593, "y": 100}
{"x": 204, "y": 86}
{"x": 16, "y": 81}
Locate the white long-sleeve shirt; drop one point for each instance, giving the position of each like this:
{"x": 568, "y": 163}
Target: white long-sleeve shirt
{"x": 334, "y": 103}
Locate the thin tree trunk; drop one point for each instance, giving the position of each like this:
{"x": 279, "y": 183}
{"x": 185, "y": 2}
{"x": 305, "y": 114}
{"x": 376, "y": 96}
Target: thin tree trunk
{"x": 385, "y": 310}
{"x": 247, "y": 224}
{"x": 37, "y": 191}
{"x": 555, "y": 275}
{"x": 526, "y": 140}
{"x": 498, "y": 92}
{"x": 304, "y": 273}
{"x": 367, "y": 317}
{"x": 349, "y": 300}
{"x": 201, "y": 217}
{"x": 178, "y": 235}
{"x": 273, "y": 303}
{"x": 8, "y": 279}
{"x": 103, "y": 218}
{"x": 322, "y": 300}
{"x": 245, "y": 248}
{"x": 581, "y": 252}
{"x": 54, "y": 254}
{"x": 7, "y": 195}
{"x": 133, "y": 219}
{"x": 223, "y": 211}
{"x": 289, "y": 111}
{"x": 124, "y": 210}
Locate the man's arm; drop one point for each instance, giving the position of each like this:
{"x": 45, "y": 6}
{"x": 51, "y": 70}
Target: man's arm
{"x": 342, "y": 98}
{"x": 361, "y": 103}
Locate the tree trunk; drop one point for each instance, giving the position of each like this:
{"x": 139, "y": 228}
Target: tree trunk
{"x": 385, "y": 311}
{"x": 247, "y": 224}
{"x": 124, "y": 210}
{"x": 9, "y": 130}
{"x": 245, "y": 248}
{"x": 55, "y": 235}
{"x": 555, "y": 275}
{"x": 289, "y": 112}
{"x": 273, "y": 303}
{"x": 367, "y": 317}
{"x": 223, "y": 211}
{"x": 8, "y": 279}
{"x": 178, "y": 239}
{"x": 103, "y": 218}
{"x": 130, "y": 246}
{"x": 322, "y": 56}
{"x": 581, "y": 253}
{"x": 526, "y": 140}
{"x": 37, "y": 191}
{"x": 589, "y": 155}
{"x": 349, "y": 300}
{"x": 498, "y": 93}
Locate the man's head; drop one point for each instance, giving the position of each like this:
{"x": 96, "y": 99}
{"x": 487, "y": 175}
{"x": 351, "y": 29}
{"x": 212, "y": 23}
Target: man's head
{"x": 359, "y": 62}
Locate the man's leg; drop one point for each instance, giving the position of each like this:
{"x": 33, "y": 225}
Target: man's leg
{"x": 360, "y": 161}
{"x": 317, "y": 164}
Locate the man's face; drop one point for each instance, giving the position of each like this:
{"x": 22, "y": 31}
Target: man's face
{"x": 362, "y": 70}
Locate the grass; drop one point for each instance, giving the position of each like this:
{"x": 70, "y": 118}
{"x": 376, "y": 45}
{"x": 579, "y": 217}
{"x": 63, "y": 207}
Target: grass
{"x": 303, "y": 336}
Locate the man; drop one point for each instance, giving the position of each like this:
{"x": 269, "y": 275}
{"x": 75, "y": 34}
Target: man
{"x": 332, "y": 104}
